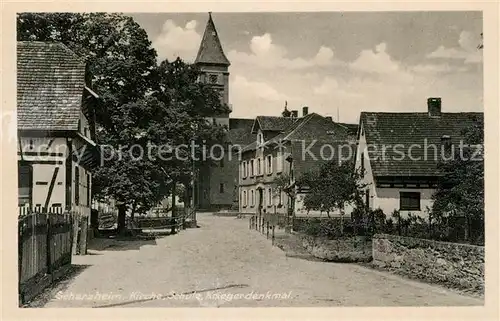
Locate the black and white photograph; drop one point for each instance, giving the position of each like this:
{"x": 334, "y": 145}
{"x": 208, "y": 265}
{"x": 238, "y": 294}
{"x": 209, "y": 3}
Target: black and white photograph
{"x": 257, "y": 159}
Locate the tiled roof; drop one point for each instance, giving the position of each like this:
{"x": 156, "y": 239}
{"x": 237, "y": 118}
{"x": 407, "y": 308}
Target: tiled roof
{"x": 407, "y": 129}
{"x": 352, "y": 129}
{"x": 210, "y": 50}
{"x": 273, "y": 123}
{"x": 311, "y": 154}
{"x": 312, "y": 127}
{"x": 50, "y": 85}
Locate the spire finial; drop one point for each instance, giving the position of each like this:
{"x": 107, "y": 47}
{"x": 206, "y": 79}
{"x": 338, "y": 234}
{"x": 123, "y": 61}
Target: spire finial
{"x": 286, "y": 112}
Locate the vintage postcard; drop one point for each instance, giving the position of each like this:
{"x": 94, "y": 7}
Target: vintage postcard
{"x": 229, "y": 156}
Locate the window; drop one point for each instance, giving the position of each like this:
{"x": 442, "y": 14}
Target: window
{"x": 260, "y": 139}
{"x": 252, "y": 173}
{"x": 362, "y": 160}
{"x": 77, "y": 185}
{"x": 367, "y": 200}
{"x": 259, "y": 166}
{"x": 270, "y": 196}
{"x": 244, "y": 199}
{"x": 221, "y": 188}
{"x": 252, "y": 198}
{"x": 213, "y": 79}
{"x": 409, "y": 201}
{"x": 269, "y": 164}
{"x": 24, "y": 180}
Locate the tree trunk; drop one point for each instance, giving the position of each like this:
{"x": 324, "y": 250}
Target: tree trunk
{"x": 122, "y": 211}
{"x": 76, "y": 228}
{"x": 174, "y": 212}
{"x": 341, "y": 223}
{"x": 132, "y": 213}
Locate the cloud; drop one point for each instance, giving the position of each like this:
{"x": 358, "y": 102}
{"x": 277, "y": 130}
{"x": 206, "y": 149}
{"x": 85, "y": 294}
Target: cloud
{"x": 328, "y": 86}
{"x": 375, "y": 61}
{"x": 266, "y": 54}
{"x": 466, "y": 50}
{"x": 177, "y": 41}
{"x": 258, "y": 89}
{"x": 436, "y": 69}
{"x": 252, "y": 97}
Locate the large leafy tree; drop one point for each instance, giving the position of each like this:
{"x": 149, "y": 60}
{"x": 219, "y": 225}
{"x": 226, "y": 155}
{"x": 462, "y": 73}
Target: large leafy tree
{"x": 332, "y": 187}
{"x": 460, "y": 191}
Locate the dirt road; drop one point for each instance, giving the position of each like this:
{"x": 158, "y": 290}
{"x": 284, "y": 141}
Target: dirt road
{"x": 224, "y": 264}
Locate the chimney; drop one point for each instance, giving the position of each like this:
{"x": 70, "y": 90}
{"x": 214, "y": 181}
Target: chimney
{"x": 305, "y": 111}
{"x": 295, "y": 114}
{"x": 434, "y": 107}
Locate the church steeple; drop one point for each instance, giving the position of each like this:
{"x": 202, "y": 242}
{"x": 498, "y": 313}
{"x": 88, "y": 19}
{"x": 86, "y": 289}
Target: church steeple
{"x": 211, "y": 51}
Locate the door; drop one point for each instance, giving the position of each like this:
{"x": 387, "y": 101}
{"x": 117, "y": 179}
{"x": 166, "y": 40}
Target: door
{"x": 259, "y": 207}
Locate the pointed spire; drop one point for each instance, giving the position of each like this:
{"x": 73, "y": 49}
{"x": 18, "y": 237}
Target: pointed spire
{"x": 211, "y": 51}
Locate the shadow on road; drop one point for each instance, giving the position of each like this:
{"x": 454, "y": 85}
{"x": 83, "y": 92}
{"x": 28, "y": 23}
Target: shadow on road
{"x": 60, "y": 285}
{"x": 120, "y": 243}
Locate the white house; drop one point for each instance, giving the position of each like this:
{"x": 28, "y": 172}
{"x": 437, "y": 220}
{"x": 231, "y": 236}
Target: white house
{"x": 400, "y": 153}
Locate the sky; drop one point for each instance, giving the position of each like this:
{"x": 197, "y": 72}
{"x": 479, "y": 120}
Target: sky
{"x": 336, "y": 63}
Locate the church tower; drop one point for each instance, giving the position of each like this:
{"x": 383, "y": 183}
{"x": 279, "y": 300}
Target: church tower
{"x": 214, "y": 66}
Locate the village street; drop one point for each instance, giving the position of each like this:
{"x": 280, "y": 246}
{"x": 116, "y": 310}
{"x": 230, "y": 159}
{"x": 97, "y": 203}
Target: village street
{"x": 223, "y": 258}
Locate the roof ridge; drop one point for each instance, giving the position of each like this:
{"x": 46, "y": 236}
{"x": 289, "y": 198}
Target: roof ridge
{"x": 59, "y": 44}
{"x": 305, "y": 119}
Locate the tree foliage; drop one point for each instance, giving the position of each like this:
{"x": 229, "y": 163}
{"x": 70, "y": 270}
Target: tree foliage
{"x": 460, "y": 191}
{"x": 332, "y": 187}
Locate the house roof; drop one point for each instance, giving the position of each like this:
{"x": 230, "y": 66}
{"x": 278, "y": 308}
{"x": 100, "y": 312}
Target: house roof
{"x": 272, "y": 123}
{"x": 311, "y": 154}
{"x": 210, "y": 51}
{"x": 312, "y": 127}
{"x": 50, "y": 85}
{"x": 411, "y": 129}
{"x": 352, "y": 129}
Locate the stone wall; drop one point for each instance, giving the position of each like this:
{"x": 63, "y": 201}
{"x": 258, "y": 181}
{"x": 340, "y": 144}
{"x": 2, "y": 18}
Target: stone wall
{"x": 345, "y": 249}
{"x": 455, "y": 265}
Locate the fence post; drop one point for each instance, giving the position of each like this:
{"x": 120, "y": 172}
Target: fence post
{"x": 49, "y": 244}
{"x": 20, "y": 242}
{"x": 83, "y": 236}
{"x": 273, "y": 236}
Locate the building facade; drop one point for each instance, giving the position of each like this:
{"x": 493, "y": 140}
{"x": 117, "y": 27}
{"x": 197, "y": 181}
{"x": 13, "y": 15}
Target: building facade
{"x": 216, "y": 183}
{"x": 400, "y": 153}
{"x": 285, "y": 148}
{"x": 56, "y": 125}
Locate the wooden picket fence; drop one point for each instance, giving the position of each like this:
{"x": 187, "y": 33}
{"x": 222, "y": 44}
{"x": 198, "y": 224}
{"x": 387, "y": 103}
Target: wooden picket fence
{"x": 44, "y": 248}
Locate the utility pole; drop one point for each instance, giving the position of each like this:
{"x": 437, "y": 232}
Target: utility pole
{"x": 193, "y": 207}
